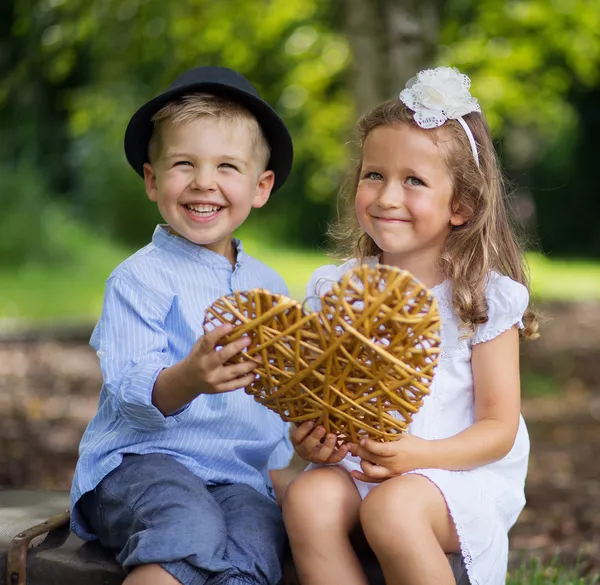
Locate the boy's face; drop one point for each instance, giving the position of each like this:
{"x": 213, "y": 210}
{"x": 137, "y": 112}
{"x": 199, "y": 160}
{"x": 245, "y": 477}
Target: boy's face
{"x": 206, "y": 181}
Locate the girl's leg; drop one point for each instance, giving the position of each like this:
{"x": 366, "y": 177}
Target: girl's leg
{"x": 408, "y": 526}
{"x": 150, "y": 575}
{"x": 320, "y": 509}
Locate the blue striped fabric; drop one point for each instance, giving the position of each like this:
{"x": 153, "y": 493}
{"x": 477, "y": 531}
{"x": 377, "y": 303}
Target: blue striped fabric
{"x": 153, "y": 313}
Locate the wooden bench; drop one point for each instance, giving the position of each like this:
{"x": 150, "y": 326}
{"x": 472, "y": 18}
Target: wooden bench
{"x": 36, "y": 547}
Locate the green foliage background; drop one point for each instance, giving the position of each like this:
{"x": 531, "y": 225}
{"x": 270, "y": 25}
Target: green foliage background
{"x": 73, "y": 72}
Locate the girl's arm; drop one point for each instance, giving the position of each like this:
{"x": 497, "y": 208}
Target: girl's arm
{"x": 496, "y": 380}
{"x": 497, "y": 390}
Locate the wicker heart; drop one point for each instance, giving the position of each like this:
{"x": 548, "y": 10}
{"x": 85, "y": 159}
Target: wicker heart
{"x": 360, "y": 366}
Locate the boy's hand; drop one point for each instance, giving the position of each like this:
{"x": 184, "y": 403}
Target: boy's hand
{"x": 381, "y": 461}
{"x": 307, "y": 443}
{"x": 203, "y": 371}
{"x": 205, "y": 364}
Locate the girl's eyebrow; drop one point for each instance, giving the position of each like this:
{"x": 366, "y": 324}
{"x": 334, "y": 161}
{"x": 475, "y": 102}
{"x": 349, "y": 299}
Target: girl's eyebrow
{"x": 412, "y": 171}
{"x": 409, "y": 171}
{"x": 371, "y": 164}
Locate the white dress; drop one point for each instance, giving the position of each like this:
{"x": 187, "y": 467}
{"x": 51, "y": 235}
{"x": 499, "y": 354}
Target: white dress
{"x": 484, "y": 502}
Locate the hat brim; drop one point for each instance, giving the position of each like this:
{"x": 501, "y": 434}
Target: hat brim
{"x": 140, "y": 127}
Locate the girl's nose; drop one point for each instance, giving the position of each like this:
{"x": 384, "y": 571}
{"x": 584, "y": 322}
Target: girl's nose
{"x": 391, "y": 197}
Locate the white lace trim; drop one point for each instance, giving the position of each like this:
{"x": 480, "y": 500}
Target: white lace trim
{"x": 438, "y": 95}
{"x": 497, "y": 331}
{"x": 460, "y": 532}
{"x": 461, "y": 347}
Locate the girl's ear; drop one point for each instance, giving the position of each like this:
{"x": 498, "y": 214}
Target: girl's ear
{"x": 150, "y": 182}
{"x": 459, "y": 215}
{"x": 457, "y": 220}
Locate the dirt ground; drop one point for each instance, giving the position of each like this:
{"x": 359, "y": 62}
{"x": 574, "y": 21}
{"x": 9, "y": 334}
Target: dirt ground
{"x": 49, "y": 392}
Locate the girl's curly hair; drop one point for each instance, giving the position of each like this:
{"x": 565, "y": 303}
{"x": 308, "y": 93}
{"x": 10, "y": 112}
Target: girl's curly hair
{"x": 485, "y": 242}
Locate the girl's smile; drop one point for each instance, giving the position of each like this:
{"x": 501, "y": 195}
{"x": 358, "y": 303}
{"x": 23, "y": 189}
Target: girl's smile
{"x": 390, "y": 219}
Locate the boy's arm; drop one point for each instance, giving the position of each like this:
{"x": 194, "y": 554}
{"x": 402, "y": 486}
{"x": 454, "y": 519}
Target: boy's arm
{"x": 137, "y": 364}
{"x": 131, "y": 343}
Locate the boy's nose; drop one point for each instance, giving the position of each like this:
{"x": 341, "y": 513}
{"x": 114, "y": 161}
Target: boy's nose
{"x": 204, "y": 180}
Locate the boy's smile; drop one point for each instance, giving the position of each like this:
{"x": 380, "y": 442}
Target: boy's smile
{"x": 206, "y": 180}
{"x": 203, "y": 212}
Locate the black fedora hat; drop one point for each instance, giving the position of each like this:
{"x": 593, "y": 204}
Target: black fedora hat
{"x": 218, "y": 81}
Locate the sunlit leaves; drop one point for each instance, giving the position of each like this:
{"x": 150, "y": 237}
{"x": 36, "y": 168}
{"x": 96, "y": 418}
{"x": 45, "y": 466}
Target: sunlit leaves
{"x": 524, "y": 56}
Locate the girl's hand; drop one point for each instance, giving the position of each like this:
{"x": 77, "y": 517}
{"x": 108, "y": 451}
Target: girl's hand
{"x": 381, "y": 461}
{"x": 307, "y": 443}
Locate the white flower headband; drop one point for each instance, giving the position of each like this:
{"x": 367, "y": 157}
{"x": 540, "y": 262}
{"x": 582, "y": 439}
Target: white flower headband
{"x": 437, "y": 95}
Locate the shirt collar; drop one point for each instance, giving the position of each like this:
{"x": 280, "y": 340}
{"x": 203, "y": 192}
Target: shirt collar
{"x": 163, "y": 238}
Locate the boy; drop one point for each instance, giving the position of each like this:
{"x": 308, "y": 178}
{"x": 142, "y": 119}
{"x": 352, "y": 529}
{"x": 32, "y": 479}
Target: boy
{"x": 173, "y": 473}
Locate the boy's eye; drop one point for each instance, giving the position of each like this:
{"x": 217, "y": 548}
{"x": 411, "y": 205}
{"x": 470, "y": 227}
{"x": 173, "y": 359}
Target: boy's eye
{"x": 228, "y": 166}
{"x": 182, "y": 162}
{"x": 414, "y": 181}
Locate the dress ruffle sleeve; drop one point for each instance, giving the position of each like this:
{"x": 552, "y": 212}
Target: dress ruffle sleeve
{"x": 322, "y": 280}
{"x": 507, "y": 301}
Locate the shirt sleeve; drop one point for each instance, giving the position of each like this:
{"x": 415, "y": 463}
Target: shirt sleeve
{"x": 281, "y": 287}
{"x": 132, "y": 345}
{"x": 507, "y": 301}
{"x": 284, "y": 450}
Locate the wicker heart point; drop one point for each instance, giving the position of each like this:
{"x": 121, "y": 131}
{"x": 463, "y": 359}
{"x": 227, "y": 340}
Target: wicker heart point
{"x": 360, "y": 366}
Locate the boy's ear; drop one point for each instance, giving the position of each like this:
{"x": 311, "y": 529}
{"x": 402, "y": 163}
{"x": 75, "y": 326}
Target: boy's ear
{"x": 263, "y": 188}
{"x": 150, "y": 182}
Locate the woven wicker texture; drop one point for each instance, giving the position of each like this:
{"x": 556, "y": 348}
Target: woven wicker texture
{"x": 360, "y": 366}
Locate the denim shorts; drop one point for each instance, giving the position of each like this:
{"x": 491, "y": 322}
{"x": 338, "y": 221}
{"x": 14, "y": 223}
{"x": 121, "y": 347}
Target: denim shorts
{"x": 152, "y": 509}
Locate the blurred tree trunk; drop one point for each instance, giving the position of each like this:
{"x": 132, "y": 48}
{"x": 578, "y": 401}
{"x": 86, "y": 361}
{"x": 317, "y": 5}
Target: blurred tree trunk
{"x": 391, "y": 41}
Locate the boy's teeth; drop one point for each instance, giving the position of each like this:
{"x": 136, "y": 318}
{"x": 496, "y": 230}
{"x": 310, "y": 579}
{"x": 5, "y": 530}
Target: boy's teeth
{"x": 207, "y": 209}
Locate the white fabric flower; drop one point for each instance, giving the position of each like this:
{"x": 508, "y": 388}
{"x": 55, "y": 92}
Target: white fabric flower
{"x": 437, "y": 95}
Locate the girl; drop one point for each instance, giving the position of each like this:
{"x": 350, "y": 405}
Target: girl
{"x": 428, "y": 198}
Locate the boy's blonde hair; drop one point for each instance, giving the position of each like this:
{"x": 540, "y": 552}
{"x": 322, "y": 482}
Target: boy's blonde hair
{"x": 195, "y": 106}
{"x": 485, "y": 242}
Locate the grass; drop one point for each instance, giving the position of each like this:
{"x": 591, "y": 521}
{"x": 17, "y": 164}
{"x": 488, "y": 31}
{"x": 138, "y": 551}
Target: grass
{"x": 534, "y": 573}
{"x": 294, "y": 265}
{"x": 536, "y": 385}
{"x": 37, "y": 292}
{"x": 564, "y": 279}
{"x": 74, "y": 291}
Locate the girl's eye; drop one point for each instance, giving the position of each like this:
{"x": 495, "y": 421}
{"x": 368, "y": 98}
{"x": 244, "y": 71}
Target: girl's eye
{"x": 374, "y": 176}
{"x": 414, "y": 182}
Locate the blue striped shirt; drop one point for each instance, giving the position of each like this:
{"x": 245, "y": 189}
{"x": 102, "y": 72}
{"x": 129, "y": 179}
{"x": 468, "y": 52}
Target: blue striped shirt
{"x": 152, "y": 314}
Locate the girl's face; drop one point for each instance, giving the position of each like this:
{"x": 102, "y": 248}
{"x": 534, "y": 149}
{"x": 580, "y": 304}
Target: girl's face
{"x": 404, "y": 195}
